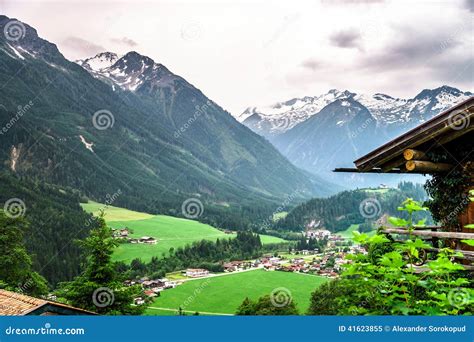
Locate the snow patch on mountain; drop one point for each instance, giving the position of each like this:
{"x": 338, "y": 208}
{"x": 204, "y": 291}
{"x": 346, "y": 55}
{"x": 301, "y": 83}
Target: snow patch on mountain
{"x": 281, "y": 116}
{"x": 387, "y": 110}
{"x": 130, "y": 71}
{"x": 99, "y": 62}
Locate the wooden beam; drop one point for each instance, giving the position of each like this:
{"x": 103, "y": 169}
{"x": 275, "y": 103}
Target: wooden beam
{"x": 410, "y": 154}
{"x": 354, "y": 170}
{"x": 420, "y": 269}
{"x": 426, "y": 166}
{"x": 443, "y": 235}
{"x": 392, "y": 164}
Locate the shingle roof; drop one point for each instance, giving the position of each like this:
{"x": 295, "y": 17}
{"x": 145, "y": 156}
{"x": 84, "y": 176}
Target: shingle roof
{"x": 15, "y": 304}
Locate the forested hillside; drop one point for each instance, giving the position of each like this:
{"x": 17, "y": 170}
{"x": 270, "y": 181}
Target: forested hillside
{"x": 55, "y": 221}
{"x": 337, "y": 212}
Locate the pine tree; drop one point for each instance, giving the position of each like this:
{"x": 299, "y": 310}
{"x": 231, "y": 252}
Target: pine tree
{"x": 100, "y": 288}
{"x": 16, "y": 272}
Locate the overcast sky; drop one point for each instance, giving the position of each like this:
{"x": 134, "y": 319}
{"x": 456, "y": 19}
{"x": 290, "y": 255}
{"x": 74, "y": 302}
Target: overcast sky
{"x": 249, "y": 53}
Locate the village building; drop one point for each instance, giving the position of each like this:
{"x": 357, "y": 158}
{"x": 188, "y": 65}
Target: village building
{"x": 17, "y": 304}
{"x": 144, "y": 239}
{"x": 318, "y": 234}
{"x": 196, "y": 272}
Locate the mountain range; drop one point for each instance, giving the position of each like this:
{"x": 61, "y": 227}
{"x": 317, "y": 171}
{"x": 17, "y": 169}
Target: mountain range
{"x": 282, "y": 116}
{"x": 320, "y": 133}
{"x": 127, "y": 123}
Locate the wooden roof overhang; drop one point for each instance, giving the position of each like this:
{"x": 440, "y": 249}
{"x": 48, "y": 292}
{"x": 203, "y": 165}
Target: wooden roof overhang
{"x": 456, "y": 122}
{"x": 17, "y": 304}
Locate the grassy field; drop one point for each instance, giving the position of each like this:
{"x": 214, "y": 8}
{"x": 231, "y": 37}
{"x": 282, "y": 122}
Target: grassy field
{"x": 114, "y": 213}
{"x": 280, "y": 215}
{"x": 224, "y": 294}
{"x": 170, "y": 232}
{"x": 353, "y": 228}
{"x": 348, "y": 232}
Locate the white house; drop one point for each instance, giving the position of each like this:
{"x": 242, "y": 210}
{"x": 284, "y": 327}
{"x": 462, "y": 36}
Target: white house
{"x": 196, "y": 272}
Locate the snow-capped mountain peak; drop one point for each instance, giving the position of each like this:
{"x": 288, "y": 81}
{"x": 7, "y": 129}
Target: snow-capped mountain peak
{"x": 282, "y": 116}
{"x": 99, "y": 62}
{"x": 386, "y": 110}
{"x": 130, "y": 71}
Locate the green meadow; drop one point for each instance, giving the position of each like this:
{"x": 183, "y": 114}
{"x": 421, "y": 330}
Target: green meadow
{"x": 171, "y": 232}
{"x": 223, "y": 294}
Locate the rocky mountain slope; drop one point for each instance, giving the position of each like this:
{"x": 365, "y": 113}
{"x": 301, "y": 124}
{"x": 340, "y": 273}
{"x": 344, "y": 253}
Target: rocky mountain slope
{"x": 278, "y": 118}
{"x": 144, "y": 131}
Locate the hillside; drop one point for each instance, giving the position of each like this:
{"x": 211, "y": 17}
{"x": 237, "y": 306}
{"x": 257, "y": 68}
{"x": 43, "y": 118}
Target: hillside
{"x": 66, "y": 127}
{"x": 347, "y": 208}
{"x": 55, "y": 221}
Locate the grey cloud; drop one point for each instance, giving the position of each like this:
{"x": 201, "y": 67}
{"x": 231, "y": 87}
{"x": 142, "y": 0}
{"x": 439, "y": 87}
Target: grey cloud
{"x": 346, "y": 39}
{"x": 311, "y": 64}
{"x": 412, "y": 49}
{"x": 124, "y": 41}
{"x": 469, "y": 5}
{"x": 81, "y": 47}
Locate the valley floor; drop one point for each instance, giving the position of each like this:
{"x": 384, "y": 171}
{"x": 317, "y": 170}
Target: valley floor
{"x": 170, "y": 232}
{"x": 222, "y": 295}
